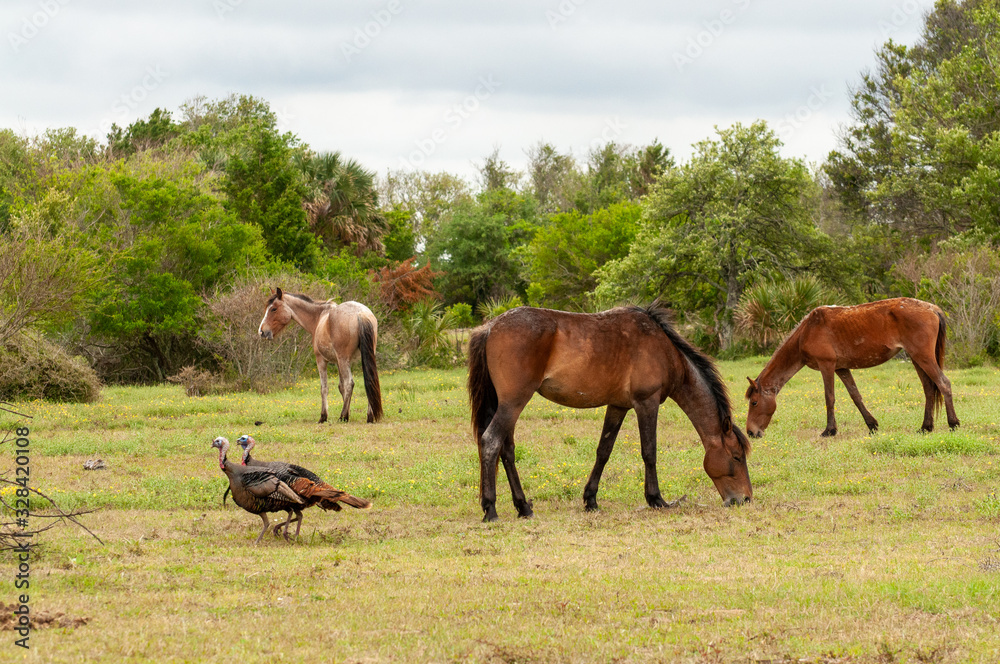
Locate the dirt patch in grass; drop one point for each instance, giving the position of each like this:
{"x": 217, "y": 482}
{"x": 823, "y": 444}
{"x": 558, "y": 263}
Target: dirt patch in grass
{"x": 38, "y": 619}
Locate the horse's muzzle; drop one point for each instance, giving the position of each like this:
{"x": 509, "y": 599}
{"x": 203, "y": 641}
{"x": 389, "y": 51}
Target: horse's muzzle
{"x": 266, "y": 334}
{"x": 736, "y": 500}
{"x": 753, "y": 434}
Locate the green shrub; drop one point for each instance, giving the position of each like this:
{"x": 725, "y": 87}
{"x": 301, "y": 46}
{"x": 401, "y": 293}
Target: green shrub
{"x": 426, "y": 329}
{"x": 769, "y": 311}
{"x": 495, "y": 306}
{"x": 37, "y": 369}
{"x": 461, "y": 314}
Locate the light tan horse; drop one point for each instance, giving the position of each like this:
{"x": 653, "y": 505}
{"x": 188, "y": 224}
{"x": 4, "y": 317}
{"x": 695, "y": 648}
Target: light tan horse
{"x": 834, "y": 340}
{"x": 340, "y": 333}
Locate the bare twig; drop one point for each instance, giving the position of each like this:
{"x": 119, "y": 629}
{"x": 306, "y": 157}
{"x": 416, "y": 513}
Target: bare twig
{"x": 8, "y": 540}
{"x": 3, "y": 407}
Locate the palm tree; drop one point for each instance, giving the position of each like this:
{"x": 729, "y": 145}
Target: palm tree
{"x": 342, "y": 203}
{"x": 769, "y": 311}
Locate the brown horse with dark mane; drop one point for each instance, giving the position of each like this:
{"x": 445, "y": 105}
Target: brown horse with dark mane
{"x": 624, "y": 358}
{"x": 340, "y": 333}
{"x": 834, "y": 340}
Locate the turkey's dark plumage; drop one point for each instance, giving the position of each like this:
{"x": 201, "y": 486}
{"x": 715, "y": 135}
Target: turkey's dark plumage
{"x": 309, "y": 486}
{"x": 257, "y": 490}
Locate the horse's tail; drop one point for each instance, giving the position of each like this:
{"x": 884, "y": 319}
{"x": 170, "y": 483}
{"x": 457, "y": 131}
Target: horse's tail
{"x": 482, "y": 394}
{"x": 939, "y": 349}
{"x": 369, "y": 368}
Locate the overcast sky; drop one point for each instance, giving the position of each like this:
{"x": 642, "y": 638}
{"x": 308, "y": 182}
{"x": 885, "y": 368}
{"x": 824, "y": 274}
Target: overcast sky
{"x": 436, "y": 84}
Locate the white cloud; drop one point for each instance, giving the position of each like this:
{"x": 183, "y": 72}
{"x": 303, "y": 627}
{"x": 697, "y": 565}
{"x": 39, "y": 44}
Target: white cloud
{"x": 561, "y": 82}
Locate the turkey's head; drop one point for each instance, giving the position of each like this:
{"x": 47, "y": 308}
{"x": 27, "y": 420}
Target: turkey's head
{"x": 222, "y": 444}
{"x": 247, "y": 443}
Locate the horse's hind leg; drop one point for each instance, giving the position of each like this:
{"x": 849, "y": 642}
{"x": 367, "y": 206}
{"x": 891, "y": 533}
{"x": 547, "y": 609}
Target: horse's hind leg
{"x": 499, "y": 434}
{"x": 346, "y": 386}
{"x": 929, "y": 393}
{"x": 323, "y": 388}
{"x": 522, "y": 504}
{"x": 852, "y": 389}
{"x": 613, "y": 419}
{"x": 939, "y": 381}
{"x": 647, "y": 411}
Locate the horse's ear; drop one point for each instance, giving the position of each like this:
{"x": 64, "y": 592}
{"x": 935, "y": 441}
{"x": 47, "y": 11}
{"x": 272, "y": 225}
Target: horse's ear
{"x": 727, "y": 425}
{"x": 278, "y": 292}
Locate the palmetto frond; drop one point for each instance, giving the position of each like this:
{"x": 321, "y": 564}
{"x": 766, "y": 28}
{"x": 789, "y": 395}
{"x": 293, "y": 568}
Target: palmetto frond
{"x": 343, "y": 205}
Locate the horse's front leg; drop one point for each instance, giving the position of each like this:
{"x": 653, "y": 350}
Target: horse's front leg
{"x": 852, "y": 389}
{"x": 321, "y": 368}
{"x": 828, "y": 389}
{"x": 647, "y": 412}
{"x": 346, "y": 386}
{"x": 613, "y": 419}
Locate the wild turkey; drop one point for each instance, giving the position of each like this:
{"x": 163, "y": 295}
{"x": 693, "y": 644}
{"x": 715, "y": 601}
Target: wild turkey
{"x": 257, "y": 490}
{"x": 307, "y": 484}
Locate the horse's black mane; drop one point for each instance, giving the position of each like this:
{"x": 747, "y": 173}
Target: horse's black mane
{"x": 298, "y": 295}
{"x": 703, "y": 365}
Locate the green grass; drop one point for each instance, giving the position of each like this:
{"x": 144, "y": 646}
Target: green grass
{"x": 860, "y": 548}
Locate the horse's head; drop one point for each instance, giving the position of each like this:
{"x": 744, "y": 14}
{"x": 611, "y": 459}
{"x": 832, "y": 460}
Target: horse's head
{"x": 726, "y": 464}
{"x": 277, "y": 314}
{"x": 763, "y": 402}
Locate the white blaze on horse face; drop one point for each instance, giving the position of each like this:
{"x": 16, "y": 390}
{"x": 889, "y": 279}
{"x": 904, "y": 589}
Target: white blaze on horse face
{"x": 268, "y": 333}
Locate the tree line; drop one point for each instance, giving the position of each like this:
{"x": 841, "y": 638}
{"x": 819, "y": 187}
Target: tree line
{"x": 130, "y": 252}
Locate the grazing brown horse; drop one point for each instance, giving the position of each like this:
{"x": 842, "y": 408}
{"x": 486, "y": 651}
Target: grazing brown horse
{"x": 834, "y": 340}
{"x": 623, "y": 358}
{"x": 340, "y": 333}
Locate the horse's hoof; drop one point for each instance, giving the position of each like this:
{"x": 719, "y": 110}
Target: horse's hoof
{"x": 656, "y": 502}
{"x": 927, "y": 428}
{"x": 322, "y": 419}
{"x": 489, "y": 511}
{"x": 828, "y": 432}
{"x": 953, "y": 426}
{"x": 590, "y": 504}
{"x": 873, "y": 427}
{"x": 343, "y": 418}
{"x": 525, "y": 515}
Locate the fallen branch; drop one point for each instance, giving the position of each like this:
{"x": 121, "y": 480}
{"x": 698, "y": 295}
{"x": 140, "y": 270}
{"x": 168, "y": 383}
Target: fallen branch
{"x": 11, "y": 537}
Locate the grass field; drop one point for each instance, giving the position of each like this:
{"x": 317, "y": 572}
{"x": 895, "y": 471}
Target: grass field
{"x": 860, "y": 548}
